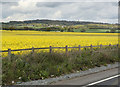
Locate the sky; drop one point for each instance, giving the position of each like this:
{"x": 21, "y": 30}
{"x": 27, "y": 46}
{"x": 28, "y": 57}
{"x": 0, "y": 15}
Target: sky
{"x": 77, "y": 10}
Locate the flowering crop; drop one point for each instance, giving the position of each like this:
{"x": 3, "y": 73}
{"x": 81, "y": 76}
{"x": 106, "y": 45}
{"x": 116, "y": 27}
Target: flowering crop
{"x": 29, "y": 39}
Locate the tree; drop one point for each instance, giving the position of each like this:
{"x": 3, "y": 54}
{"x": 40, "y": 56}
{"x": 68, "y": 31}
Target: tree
{"x": 11, "y": 28}
{"x": 26, "y": 28}
{"x": 61, "y": 30}
{"x": 112, "y": 30}
{"x": 107, "y": 32}
{"x": 83, "y": 30}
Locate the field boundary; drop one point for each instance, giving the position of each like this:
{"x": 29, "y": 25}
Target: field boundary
{"x": 50, "y": 48}
{"x": 42, "y": 65}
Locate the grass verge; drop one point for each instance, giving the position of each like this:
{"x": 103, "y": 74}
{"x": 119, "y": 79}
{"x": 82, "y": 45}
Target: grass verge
{"x": 34, "y": 66}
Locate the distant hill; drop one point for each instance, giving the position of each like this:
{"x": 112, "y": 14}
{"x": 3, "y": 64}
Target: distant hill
{"x": 60, "y": 25}
{"x": 55, "y": 22}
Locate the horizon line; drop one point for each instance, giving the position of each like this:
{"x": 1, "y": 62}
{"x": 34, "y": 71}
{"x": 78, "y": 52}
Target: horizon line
{"x": 58, "y": 20}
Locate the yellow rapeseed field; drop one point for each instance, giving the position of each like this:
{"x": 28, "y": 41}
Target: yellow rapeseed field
{"x": 28, "y": 39}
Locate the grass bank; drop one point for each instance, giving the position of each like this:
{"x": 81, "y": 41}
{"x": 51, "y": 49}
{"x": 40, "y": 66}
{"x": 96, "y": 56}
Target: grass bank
{"x": 43, "y": 65}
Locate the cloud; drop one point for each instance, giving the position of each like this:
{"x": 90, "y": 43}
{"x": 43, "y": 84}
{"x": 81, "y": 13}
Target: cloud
{"x": 6, "y": 11}
{"x": 50, "y": 4}
{"x": 57, "y": 14}
{"x": 25, "y": 6}
{"x": 18, "y": 17}
{"x": 85, "y": 11}
{"x": 63, "y": 0}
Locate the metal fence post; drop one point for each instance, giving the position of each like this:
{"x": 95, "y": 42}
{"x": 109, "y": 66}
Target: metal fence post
{"x": 50, "y": 49}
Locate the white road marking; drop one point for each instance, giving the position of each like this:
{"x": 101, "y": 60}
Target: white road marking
{"x": 102, "y": 80}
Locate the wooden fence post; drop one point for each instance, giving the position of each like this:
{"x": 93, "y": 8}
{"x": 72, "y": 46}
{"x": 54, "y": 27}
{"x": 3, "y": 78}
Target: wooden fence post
{"x": 91, "y": 47}
{"x": 66, "y": 50}
{"x": 32, "y": 49}
{"x": 50, "y": 49}
{"x": 100, "y": 46}
{"x": 9, "y": 54}
{"x": 117, "y": 45}
{"x": 79, "y": 49}
{"x": 110, "y": 46}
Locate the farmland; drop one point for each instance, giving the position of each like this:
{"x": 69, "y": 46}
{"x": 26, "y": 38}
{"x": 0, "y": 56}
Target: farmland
{"x": 28, "y": 39}
{"x": 41, "y": 65}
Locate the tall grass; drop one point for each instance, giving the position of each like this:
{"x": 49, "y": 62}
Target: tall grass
{"x": 34, "y": 66}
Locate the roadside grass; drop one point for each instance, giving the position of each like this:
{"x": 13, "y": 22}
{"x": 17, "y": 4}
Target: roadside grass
{"x": 41, "y": 65}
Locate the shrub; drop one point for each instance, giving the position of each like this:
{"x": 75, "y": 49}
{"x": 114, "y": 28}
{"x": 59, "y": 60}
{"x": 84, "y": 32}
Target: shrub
{"x": 43, "y": 65}
{"x": 83, "y": 30}
{"x": 107, "y": 32}
{"x": 112, "y": 30}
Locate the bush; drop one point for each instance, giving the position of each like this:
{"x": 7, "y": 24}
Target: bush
{"x": 112, "y": 30}
{"x": 107, "y": 32}
{"x": 43, "y": 65}
{"x": 83, "y": 30}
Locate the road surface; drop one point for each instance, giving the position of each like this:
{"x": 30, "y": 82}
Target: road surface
{"x": 108, "y": 77}
{"x": 113, "y": 81}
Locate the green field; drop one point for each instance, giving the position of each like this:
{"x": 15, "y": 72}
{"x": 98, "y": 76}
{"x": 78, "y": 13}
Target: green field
{"x": 94, "y": 30}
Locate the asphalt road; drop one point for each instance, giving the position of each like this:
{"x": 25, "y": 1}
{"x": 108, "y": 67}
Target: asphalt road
{"x": 110, "y": 81}
{"x": 114, "y": 81}
{"x": 108, "y": 77}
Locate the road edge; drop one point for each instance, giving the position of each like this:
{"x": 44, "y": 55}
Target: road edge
{"x": 71, "y": 76}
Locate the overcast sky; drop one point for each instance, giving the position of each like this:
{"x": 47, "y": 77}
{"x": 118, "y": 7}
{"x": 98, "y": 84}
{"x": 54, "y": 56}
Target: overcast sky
{"x": 82, "y": 11}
